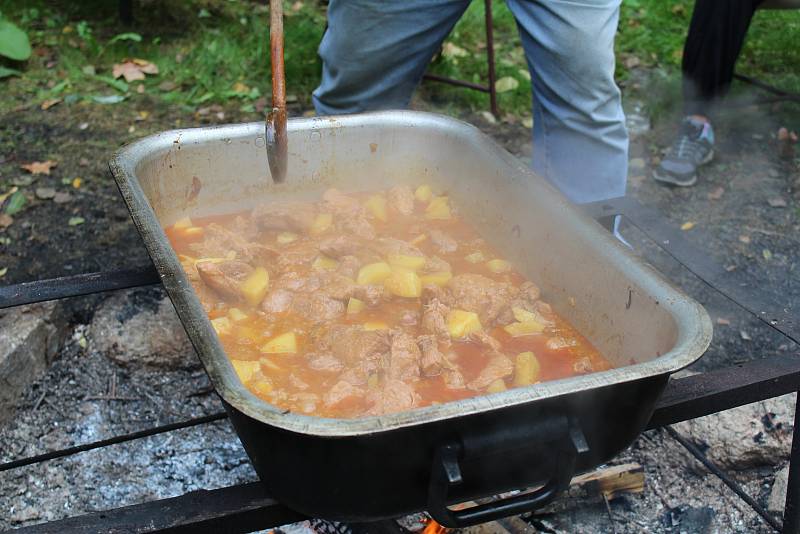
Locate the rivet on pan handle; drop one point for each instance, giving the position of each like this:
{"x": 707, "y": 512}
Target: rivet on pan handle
{"x": 446, "y": 474}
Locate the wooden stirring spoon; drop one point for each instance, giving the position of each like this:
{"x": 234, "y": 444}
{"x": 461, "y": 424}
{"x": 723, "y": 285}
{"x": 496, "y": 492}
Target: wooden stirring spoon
{"x": 277, "y": 140}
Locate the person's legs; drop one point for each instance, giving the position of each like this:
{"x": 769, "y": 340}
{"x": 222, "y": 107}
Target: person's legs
{"x": 375, "y": 52}
{"x": 716, "y": 35}
{"x": 580, "y": 142}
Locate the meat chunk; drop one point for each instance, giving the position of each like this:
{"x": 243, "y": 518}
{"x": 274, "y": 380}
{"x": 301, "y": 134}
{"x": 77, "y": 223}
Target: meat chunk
{"x": 347, "y": 245}
{"x": 401, "y": 198}
{"x": 433, "y": 319}
{"x": 296, "y": 254}
{"x": 453, "y": 379}
{"x": 558, "y": 343}
{"x": 499, "y": 366}
{"x": 482, "y": 295}
{"x": 277, "y": 301}
{"x": 325, "y": 362}
{"x": 351, "y": 344}
{"x": 219, "y": 242}
{"x": 388, "y": 245}
{"x": 291, "y": 216}
{"x": 371, "y": 294}
{"x": 224, "y": 277}
{"x": 435, "y": 264}
{"x": 433, "y": 361}
{"x": 484, "y": 339}
{"x": 340, "y": 392}
{"x": 444, "y": 242}
{"x": 393, "y": 396}
{"x": 316, "y": 308}
{"x": 404, "y": 357}
{"x": 348, "y": 266}
{"x": 583, "y": 365}
{"x": 349, "y": 215}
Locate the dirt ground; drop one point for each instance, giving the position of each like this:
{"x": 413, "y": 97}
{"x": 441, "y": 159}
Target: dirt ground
{"x": 752, "y": 225}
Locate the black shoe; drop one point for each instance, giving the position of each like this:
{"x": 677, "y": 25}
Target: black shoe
{"x": 693, "y": 147}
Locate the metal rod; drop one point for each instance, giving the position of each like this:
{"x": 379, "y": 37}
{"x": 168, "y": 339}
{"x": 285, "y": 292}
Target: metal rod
{"x": 75, "y": 285}
{"x": 112, "y": 441}
{"x": 236, "y": 509}
{"x": 490, "y": 58}
{"x": 453, "y": 81}
{"x": 728, "y": 481}
{"x": 791, "y": 511}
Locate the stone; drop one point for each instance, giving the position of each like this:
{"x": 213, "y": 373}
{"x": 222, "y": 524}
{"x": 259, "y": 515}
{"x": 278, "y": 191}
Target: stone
{"x": 777, "y": 495}
{"x": 140, "y": 327}
{"x": 758, "y": 434}
{"x": 30, "y": 337}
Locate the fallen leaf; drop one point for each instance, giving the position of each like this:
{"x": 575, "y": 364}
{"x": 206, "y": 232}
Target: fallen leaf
{"x": 49, "y": 103}
{"x": 82, "y": 342}
{"x": 487, "y": 115}
{"x": 75, "y": 221}
{"x": 24, "y": 180}
{"x": 744, "y": 335}
{"x": 722, "y": 321}
{"x": 83, "y": 125}
{"x": 688, "y": 225}
{"x": 525, "y": 73}
{"x": 6, "y": 220}
{"x": 5, "y": 241}
{"x": 3, "y": 271}
{"x": 7, "y": 194}
{"x": 452, "y": 50}
{"x": 744, "y": 239}
{"x": 140, "y": 89}
{"x": 142, "y": 115}
{"x": 679, "y": 9}
{"x": 527, "y": 122}
{"x": 45, "y": 193}
{"x": 167, "y": 86}
{"x": 767, "y": 254}
{"x": 241, "y": 88}
{"x": 89, "y": 70}
{"x": 297, "y": 6}
{"x": 76, "y": 182}
{"x": 83, "y": 162}
{"x": 777, "y": 202}
{"x": 133, "y": 69}
{"x": 716, "y": 194}
{"x": 62, "y": 198}
{"x": 39, "y": 167}
{"x": 15, "y": 203}
{"x": 108, "y": 99}
{"x": 632, "y": 62}
{"x": 637, "y": 163}
{"x": 730, "y": 268}
{"x": 506, "y": 84}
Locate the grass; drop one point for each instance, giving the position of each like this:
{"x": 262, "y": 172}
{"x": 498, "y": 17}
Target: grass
{"x": 216, "y": 51}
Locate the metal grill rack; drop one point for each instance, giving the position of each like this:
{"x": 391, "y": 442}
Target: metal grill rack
{"x": 248, "y": 507}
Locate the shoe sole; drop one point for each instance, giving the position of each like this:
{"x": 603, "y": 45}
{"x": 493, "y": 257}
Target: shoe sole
{"x": 672, "y": 180}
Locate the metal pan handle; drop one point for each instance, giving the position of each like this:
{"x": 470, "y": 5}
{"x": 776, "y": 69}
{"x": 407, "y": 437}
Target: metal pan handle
{"x": 446, "y": 473}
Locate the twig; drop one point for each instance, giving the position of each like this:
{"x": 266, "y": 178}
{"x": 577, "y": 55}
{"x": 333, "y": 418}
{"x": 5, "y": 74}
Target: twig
{"x": 610, "y": 515}
{"x": 39, "y": 400}
{"x": 202, "y": 391}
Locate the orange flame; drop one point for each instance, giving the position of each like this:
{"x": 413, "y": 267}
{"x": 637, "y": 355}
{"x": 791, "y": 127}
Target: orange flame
{"x": 434, "y": 528}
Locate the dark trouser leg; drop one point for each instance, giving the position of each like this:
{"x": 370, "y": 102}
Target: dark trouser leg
{"x": 716, "y": 35}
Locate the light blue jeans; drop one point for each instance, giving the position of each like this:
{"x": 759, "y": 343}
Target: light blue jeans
{"x": 375, "y": 52}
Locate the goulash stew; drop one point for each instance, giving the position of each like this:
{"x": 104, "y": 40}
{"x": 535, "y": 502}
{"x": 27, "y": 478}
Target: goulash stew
{"x": 372, "y": 303}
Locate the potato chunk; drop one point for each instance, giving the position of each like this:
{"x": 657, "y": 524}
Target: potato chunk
{"x": 438, "y": 208}
{"x": 375, "y": 325}
{"x": 354, "y": 306}
{"x": 373, "y": 273}
{"x": 321, "y": 223}
{"x": 406, "y": 261}
{"x": 461, "y": 323}
{"x": 423, "y": 193}
{"x": 284, "y": 238}
{"x": 246, "y": 369}
{"x": 194, "y": 232}
{"x": 376, "y": 205}
{"x": 496, "y": 387}
{"x": 324, "y": 263}
{"x": 236, "y": 315}
{"x": 475, "y": 257}
{"x": 526, "y": 369}
{"x": 403, "y": 283}
{"x": 255, "y": 286}
{"x": 222, "y": 325}
{"x": 439, "y": 278}
{"x": 498, "y": 266}
{"x": 183, "y": 223}
{"x": 282, "y": 344}
{"x": 526, "y": 328}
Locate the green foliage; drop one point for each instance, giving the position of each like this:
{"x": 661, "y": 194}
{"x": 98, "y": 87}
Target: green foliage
{"x": 14, "y": 43}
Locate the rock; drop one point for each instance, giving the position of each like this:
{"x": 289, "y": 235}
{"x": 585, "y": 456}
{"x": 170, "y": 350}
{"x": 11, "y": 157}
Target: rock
{"x": 686, "y": 518}
{"x": 30, "y": 337}
{"x": 758, "y": 434}
{"x": 777, "y": 496}
{"x": 140, "y": 327}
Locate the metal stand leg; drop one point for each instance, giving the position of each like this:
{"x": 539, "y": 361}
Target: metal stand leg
{"x": 490, "y": 57}
{"x": 791, "y": 511}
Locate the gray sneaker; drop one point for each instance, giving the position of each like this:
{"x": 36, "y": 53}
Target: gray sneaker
{"x": 693, "y": 147}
